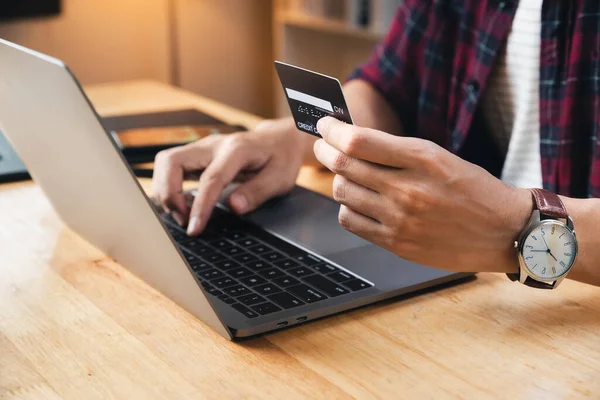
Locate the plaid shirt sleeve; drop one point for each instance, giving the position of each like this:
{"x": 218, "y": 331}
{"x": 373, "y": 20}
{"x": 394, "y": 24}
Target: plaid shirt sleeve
{"x": 391, "y": 70}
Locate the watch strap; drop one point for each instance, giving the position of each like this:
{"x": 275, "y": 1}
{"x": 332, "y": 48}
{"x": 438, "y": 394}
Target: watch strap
{"x": 549, "y": 204}
{"x": 531, "y": 282}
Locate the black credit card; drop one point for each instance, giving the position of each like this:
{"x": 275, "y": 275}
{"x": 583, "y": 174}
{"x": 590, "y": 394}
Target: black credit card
{"x": 312, "y": 96}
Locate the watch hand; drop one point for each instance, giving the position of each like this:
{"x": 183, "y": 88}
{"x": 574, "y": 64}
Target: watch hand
{"x": 549, "y": 252}
{"x": 544, "y": 239}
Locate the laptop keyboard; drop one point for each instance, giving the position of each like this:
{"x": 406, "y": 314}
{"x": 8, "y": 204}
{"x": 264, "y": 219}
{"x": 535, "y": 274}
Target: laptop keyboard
{"x": 255, "y": 272}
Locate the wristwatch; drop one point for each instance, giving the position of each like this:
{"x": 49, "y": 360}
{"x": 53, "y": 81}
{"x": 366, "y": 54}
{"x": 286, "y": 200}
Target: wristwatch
{"x": 547, "y": 247}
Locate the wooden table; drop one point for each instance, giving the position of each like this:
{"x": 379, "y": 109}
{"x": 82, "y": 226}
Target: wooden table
{"x": 75, "y": 325}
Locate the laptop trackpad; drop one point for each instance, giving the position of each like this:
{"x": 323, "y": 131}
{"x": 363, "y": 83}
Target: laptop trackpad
{"x": 308, "y": 219}
{"x": 385, "y": 269}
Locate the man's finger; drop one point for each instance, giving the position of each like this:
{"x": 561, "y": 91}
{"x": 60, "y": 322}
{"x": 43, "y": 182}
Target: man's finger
{"x": 170, "y": 169}
{"x": 220, "y": 172}
{"x": 372, "y": 145}
{"x": 362, "y": 172}
{"x": 269, "y": 182}
{"x": 167, "y": 180}
{"x": 359, "y": 198}
{"x": 359, "y": 224}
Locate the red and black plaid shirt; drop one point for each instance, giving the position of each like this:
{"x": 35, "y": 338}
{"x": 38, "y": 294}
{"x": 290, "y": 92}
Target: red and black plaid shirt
{"x": 435, "y": 62}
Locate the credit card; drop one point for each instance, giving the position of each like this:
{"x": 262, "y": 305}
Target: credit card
{"x": 312, "y": 96}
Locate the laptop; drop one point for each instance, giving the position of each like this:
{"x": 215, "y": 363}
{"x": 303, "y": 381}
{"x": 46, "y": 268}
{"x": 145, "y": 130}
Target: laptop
{"x": 285, "y": 264}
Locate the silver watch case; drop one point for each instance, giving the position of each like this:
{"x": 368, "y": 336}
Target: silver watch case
{"x": 533, "y": 223}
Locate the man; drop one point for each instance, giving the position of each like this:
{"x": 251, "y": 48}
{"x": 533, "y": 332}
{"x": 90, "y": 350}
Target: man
{"x": 456, "y": 85}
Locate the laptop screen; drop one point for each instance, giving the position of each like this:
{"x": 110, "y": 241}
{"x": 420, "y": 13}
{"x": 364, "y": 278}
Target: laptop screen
{"x": 11, "y": 165}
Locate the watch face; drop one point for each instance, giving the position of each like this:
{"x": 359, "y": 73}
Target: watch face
{"x": 549, "y": 250}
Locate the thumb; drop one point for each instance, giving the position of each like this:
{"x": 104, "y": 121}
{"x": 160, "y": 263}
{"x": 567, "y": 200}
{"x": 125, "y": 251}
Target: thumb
{"x": 267, "y": 184}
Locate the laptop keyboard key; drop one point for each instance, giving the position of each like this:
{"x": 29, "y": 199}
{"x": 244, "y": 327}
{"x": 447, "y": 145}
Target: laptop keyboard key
{"x": 223, "y": 282}
{"x": 211, "y": 274}
{"x": 285, "y": 300}
{"x": 177, "y": 235}
{"x": 191, "y": 258}
{"x": 197, "y": 247}
{"x": 253, "y": 280}
{"x": 286, "y": 281}
{"x": 247, "y": 242}
{"x": 325, "y": 268}
{"x": 330, "y": 288}
{"x": 260, "y": 249}
{"x": 232, "y": 251}
{"x": 205, "y": 284}
{"x": 306, "y": 293}
{"x": 236, "y": 291}
{"x": 200, "y": 266}
{"x": 221, "y": 244}
{"x": 227, "y": 265}
{"x": 191, "y": 242}
{"x": 245, "y": 310}
{"x": 271, "y": 273}
{"x": 226, "y": 299}
{"x": 245, "y": 258}
{"x": 307, "y": 259}
{"x": 214, "y": 258}
{"x": 258, "y": 265}
{"x": 266, "y": 308}
{"x": 213, "y": 290}
{"x": 251, "y": 299}
{"x": 340, "y": 276}
{"x": 287, "y": 264}
{"x": 208, "y": 235}
{"x": 272, "y": 257}
{"x": 240, "y": 272}
{"x": 267, "y": 289}
{"x": 235, "y": 235}
{"x": 300, "y": 271}
{"x": 357, "y": 284}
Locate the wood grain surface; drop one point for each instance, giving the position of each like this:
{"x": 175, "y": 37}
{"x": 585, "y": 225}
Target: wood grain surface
{"x": 76, "y": 325}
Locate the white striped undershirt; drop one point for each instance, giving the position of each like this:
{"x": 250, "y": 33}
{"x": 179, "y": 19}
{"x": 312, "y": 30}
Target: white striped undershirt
{"x": 511, "y": 102}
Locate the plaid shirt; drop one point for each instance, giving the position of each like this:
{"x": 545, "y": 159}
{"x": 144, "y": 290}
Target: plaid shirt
{"x": 434, "y": 65}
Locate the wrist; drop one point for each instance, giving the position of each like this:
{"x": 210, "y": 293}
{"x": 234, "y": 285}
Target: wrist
{"x": 522, "y": 206}
{"x": 283, "y": 132}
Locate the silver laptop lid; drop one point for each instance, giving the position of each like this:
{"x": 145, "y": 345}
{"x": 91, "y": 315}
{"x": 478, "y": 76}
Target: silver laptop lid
{"x": 55, "y": 130}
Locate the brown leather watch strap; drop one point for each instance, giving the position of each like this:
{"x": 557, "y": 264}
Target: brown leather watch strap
{"x": 531, "y": 282}
{"x": 549, "y": 203}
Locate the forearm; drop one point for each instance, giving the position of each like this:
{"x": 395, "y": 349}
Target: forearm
{"x": 586, "y": 219}
{"x": 369, "y": 108}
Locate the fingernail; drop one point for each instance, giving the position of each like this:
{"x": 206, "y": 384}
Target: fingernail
{"x": 323, "y": 122}
{"x": 193, "y": 226}
{"x": 178, "y": 218}
{"x": 239, "y": 202}
{"x": 320, "y": 125}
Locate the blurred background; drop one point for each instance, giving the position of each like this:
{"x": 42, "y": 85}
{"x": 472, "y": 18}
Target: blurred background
{"x": 223, "y": 49}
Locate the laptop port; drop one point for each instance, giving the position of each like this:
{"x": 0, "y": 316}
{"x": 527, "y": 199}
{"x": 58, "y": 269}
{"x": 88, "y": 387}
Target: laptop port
{"x": 301, "y": 319}
{"x": 282, "y": 324}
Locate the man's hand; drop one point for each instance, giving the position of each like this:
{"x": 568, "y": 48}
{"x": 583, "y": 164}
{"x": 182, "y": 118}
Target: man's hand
{"x": 271, "y": 155}
{"x": 421, "y": 202}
